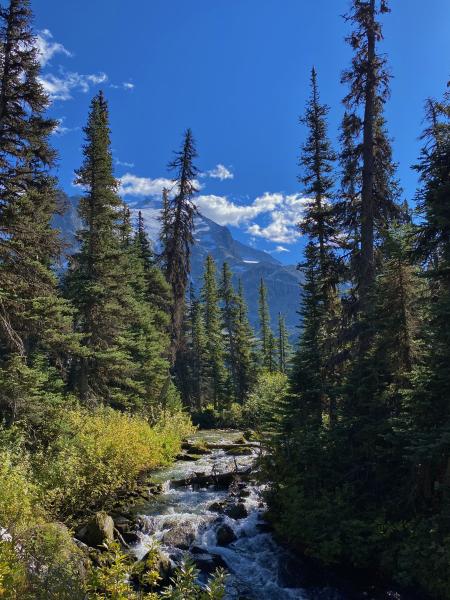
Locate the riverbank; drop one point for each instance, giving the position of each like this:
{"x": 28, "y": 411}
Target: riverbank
{"x": 220, "y": 522}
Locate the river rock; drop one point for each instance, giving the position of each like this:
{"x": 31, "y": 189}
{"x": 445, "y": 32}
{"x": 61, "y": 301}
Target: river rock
{"x": 131, "y": 537}
{"x": 99, "y": 530}
{"x": 181, "y": 535}
{"x": 225, "y": 535}
{"x": 208, "y": 563}
{"x": 236, "y": 511}
{"x": 218, "y": 506}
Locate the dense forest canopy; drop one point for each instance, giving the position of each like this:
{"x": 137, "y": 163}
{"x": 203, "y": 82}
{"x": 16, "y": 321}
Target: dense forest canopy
{"x": 105, "y": 365}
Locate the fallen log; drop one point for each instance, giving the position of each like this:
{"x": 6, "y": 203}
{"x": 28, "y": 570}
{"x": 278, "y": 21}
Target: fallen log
{"x": 219, "y": 480}
{"x": 225, "y": 446}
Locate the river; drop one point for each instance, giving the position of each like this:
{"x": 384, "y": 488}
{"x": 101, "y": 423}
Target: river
{"x": 186, "y": 518}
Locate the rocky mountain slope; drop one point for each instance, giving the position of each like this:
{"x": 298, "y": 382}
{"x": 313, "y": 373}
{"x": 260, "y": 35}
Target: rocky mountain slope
{"x": 247, "y": 263}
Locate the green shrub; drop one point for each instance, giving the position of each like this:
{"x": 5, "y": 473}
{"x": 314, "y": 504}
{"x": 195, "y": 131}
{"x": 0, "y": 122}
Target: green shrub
{"x": 263, "y": 407}
{"x": 98, "y": 453}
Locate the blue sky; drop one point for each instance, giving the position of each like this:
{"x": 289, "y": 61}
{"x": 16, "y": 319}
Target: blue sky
{"x": 237, "y": 73}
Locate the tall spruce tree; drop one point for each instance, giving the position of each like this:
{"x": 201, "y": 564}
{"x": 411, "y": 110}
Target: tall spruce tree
{"x": 430, "y": 406}
{"x": 246, "y": 360}
{"x": 284, "y": 347}
{"x": 95, "y": 279}
{"x": 268, "y": 359}
{"x": 368, "y": 81}
{"x": 158, "y": 292}
{"x": 177, "y": 234}
{"x": 215, "y": 355}
{"x": 322, "y": 265}
{"x": 229, "y": 318}
{"x": 33, "y": 318}
{"x": 198, "y": 353}
{"x": 123, "y": 362}
{"x": 317, "y": 162}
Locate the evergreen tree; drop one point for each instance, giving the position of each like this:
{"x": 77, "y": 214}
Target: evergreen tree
{"x": 246, "y": 361}
{"x": 317, "y": 160}
{"x": 215, "y": 367}
{"x": 284, "y": 347}
{"x": 368, "y": 80}
{"x": 95, "y": 281}
{"x": 429, "y": 406}
{"x": 123, "y": 360}
{"x": 266, "y": 334}
{"x": 307, "y": 380}
{"x": 198, "y": 360}
{"x": 322, "y": 266}
{"x": 33, "y": 318}
{"x": 229, "y": 318}
{"x": 158, "y": 292}
{"x": 177, "y": 234}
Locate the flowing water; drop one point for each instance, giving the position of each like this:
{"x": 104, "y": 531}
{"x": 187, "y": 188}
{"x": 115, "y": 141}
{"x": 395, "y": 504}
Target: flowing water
{"x": 181, "y": 519}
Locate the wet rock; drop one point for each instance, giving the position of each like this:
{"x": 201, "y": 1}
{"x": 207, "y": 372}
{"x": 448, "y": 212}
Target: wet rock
{"x": 181, "y": 535}
{"x": 219, "y": 480}
{"x": 155, "y": 488}
{"x": 264, "y": 528}
{"x": 197, "y": 550}
{"x": 189, "y": 457}
{"x": 225, "y": 535}
{"x": 218, "y": 506}
{"x": 121, "y": 522}
{"x": 208, "y": 563}
{"x": 98, "y": 531}
{"x": 131, "y": 537}
{"x": 237, "y": 511}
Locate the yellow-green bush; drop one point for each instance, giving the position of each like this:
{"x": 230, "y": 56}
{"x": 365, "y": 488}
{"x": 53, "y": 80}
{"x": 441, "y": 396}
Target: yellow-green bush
{"x": 97, "y": 453}
{"x": 84, "y": 458}
{"x": 18, "y": 496}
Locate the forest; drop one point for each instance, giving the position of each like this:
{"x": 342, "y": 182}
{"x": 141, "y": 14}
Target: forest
{"x": 110, "y": 359}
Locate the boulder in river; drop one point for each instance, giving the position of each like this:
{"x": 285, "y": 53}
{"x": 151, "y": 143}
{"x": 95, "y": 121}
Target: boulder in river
{"x": 236, "y": 511}
{"x": 181, "y": 535}
{"x": 218, "y": 506}
{"x": 225, "y": 535}
{"x": 98, "y": 531}
{"x": 208, "y": 563}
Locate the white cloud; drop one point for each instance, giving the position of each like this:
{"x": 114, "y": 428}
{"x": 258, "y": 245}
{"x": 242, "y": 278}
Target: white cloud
{"x": 47, "y": 48}
{"x": 60, "y": 87}
{"x": 219, "y": 172}
{"x": 132, "y": 185}
{"x": 283, "y": 226}
{"x": 97, "y": 79}
{"x": 281, "y": 249}
{"x": 225, "y": 212}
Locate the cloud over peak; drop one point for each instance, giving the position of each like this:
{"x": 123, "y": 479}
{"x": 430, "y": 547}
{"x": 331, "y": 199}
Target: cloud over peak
{"x": 132, "y": 185}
